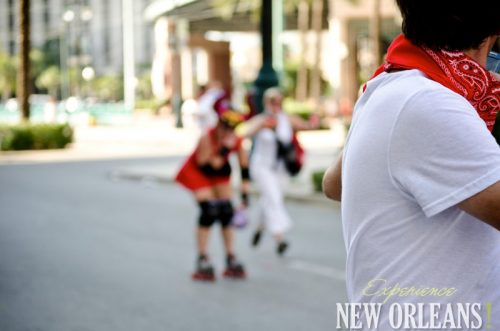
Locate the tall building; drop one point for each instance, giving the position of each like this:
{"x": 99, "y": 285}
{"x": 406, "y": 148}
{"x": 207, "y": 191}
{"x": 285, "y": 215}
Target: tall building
{"x": 90, "y": 31}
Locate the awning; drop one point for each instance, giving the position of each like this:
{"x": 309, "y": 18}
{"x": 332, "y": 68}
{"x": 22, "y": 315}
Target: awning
{"x": 203, "y": 16}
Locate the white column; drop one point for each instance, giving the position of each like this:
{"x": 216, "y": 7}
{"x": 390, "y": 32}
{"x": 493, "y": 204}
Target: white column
{"x": 277, "y": 37}
{"x": 128, "y": 54}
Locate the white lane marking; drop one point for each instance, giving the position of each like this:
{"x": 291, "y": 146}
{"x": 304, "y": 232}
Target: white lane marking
{"x": 318, "y": 269}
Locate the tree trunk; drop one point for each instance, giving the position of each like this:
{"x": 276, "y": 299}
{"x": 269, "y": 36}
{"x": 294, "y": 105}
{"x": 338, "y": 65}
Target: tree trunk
{"x": 176, "y": 78}
{"x": 375, "y": 34}
{"x": 303, "y": 25}
{"x": 317, "y": 23}
{"x": 23, "y": 80}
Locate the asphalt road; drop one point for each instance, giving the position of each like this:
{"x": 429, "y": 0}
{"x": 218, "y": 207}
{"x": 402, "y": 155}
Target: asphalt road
{"x": 83, "y": 250}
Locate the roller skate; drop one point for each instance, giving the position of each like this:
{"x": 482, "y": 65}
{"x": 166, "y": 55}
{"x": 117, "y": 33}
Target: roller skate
{"x": 256, "y": 238}
{"x": 234, "y": 269}
{"x": 204, "y": 270}
{"x": 282, "y": 248}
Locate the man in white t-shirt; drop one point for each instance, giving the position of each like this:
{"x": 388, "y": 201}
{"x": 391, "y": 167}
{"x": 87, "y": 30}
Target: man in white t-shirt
{"x": 419, "y": 183}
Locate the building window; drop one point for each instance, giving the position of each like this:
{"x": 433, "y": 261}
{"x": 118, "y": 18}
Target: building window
{"x": 46, "y": 16}
{"x": 11, "y": 25}
{"x": 12, "y": 46}
{"x": 106, "y": 35}
{"x": 10, "y": 18}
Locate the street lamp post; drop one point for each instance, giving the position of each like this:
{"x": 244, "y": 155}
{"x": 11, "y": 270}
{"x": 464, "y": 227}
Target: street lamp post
{"x": 267, "y": 75}
{"x": 67, "y": 18}
{"x": 23, "y": 80}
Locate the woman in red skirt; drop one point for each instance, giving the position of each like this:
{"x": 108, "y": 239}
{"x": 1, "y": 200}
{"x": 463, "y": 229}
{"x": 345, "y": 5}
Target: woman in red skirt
{"x": 206, "y": 173}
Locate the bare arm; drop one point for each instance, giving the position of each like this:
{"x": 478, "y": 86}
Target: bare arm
{"x": 243, "y": 160}
{"x": 332, "y": 181}
{"x": 242, "y": 157}
{"x": 485, "y": 205}
{"x": 299, "y": 123}
{"x": 253, "y": 125}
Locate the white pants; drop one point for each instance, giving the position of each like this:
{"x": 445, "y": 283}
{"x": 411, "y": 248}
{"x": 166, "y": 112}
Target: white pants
{"x": 271, "y": 206}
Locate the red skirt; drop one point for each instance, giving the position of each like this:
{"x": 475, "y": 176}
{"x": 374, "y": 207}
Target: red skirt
{"x": 191, "y": 177}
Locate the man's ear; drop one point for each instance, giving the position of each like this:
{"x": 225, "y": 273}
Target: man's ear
{"x": 492, "y": 41}
{"x": 480, "y": 54}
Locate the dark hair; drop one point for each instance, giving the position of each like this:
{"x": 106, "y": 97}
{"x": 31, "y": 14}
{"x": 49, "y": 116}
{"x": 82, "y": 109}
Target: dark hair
{"x": 450, "y": 24}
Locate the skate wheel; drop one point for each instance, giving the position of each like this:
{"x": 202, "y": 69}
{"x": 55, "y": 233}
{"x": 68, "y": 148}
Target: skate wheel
{"x": 203, "y": 277}
{"x": 234, "y": 274}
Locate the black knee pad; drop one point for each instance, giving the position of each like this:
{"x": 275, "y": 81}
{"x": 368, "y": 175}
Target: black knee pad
{"x": 226, "y": 213}
{"x": 209, "y": 213}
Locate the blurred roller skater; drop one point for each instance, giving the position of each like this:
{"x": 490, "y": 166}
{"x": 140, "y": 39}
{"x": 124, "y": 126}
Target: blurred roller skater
{"x": 206, "y": 174}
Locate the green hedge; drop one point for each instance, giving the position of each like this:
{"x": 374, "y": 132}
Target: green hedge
{"x": 301, "y": 109}
{"x": 317, "y": 180}
{"x": 34, "y": 136}
{"x": 150, "y": 104}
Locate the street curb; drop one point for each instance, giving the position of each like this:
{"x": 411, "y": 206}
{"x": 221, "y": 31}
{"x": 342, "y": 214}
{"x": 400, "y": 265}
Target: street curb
{"x": 314, "y": 197}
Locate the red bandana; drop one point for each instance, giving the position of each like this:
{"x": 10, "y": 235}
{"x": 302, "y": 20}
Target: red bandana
{"x": 454, "y": 70}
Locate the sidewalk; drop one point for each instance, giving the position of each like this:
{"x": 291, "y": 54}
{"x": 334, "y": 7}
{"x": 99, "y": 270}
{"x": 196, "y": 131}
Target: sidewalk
{"x": 157, "y": 137}
{"x": 145, "y": 136}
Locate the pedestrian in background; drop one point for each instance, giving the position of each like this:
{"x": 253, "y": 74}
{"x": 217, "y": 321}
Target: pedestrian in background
{"x": 273, "y": 134}
{"x": 213, "y": 100}
{"x": 206, "y": 173}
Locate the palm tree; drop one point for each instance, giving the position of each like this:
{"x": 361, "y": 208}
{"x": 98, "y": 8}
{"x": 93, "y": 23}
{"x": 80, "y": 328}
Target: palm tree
{"x": 303, "y": 26}
{"x": 23, "y": 81}
{"x": 227, "y": 8}
{"x": 375, "y": 33}
{"x": 351, "y": 87}
{"x": 317, "y": 24}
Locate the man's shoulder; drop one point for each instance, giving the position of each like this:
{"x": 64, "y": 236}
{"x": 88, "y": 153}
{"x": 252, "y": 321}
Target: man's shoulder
{"x": 423, "y": 99}
{"x": 415, "y": 85}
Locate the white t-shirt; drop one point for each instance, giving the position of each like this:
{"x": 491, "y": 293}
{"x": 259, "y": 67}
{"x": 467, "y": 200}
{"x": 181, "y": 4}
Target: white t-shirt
{"x": 415, "y": 150}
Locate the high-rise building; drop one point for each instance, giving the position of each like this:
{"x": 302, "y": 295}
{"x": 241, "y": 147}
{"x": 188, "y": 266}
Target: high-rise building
{"x": 90, "y": 31}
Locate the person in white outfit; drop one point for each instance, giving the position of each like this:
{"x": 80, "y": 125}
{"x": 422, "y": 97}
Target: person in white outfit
{"x": 267, "y": 170}
{"x": 207, "y": 115}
